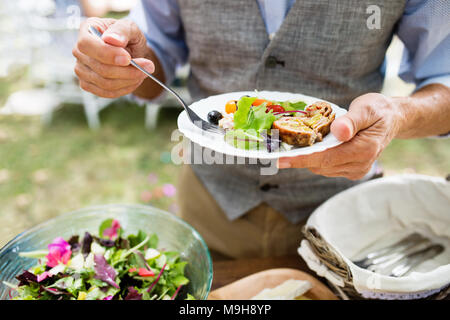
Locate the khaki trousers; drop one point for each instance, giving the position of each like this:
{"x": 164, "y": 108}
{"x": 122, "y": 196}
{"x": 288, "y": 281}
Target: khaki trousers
{"x": 261, "y": 232}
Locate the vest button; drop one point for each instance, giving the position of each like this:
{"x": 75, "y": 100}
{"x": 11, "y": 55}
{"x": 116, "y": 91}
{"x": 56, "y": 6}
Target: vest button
{"x": 271, "y": 62}
{"x": 266, "y": 187}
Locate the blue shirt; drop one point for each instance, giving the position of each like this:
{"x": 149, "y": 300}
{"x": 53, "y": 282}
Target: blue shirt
{"x": 424, "y": 29}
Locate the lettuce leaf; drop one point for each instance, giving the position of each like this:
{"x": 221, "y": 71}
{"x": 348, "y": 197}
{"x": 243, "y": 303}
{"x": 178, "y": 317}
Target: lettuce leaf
{"x": 241, "y": 115}
{"x": 243, "y": 139}
{"x": 290, "y": 106}
{"x": 256, "y": 118}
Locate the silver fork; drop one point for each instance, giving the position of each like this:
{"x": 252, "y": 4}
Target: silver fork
{"x": 195, "y": 119}
{"x": 384, "y": 254}
{"x": 409, "y": 262}
{"x": 401, "y": 257}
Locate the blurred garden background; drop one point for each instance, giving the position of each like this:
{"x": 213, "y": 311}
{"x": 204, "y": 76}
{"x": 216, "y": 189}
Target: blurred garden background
{"x": 57, "y": 155}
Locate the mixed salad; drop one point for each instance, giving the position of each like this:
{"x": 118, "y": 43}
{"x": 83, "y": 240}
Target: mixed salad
{"x": 252, "y": 123}
{"x": 109, "y": 266}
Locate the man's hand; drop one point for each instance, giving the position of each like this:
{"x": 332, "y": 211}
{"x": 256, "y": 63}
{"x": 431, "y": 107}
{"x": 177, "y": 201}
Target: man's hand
{"x": 103, "y": 67}
{"x": 372, "y": 121}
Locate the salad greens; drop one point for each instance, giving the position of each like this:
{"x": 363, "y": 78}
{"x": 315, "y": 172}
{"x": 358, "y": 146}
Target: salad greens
{"x": 291, "y": 106}
{"x": 105, "y": 267}
{"x": 253, "y": 122}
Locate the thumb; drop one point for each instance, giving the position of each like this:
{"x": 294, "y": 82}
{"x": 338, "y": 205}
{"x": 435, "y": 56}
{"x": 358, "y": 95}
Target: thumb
{"x": 356, "y": 119}
{"x": 122, "y": 33}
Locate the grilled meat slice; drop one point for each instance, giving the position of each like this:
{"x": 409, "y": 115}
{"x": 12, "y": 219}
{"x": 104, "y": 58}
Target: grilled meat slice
{"x": 307, "y": 129}
{"x": 324, "y": 108}
{"x": 293, "y": 131}
{"x": 322, "y": 126}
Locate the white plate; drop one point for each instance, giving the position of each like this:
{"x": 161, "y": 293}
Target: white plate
{"x": 217, "y": 143}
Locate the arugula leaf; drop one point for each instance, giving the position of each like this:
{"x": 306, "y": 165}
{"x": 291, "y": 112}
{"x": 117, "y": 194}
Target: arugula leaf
{"x": 97, "y": 283}
{"x": 134, "y": 240}
{"x": 153, "y": 241}
{"x": 172, "y": 256}
{"x": 180, "y": 280}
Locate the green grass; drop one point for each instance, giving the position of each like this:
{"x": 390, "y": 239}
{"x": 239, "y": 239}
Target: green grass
{"x": 66, "y": 166}
{"x": 46, "y": 171}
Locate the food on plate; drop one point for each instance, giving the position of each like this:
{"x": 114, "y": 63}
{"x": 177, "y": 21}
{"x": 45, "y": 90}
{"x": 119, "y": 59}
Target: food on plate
{"x": 291, "y": 289}
{"x": 306, "y": 129}
{"x": 294, "y": 132}
{"x": 109, "y": 266}
{"x": 231, "y": 106}
{"x": 249, "y": 123}
{"x": 214, "y": 117}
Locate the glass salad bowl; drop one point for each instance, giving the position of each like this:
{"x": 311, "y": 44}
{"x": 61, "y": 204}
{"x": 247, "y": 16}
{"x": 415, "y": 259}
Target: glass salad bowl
{"x": 173, "y": 234}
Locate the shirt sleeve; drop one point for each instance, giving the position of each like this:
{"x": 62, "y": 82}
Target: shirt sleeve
{"x": 160, "y": 21}
{"x": 425, "y": 31}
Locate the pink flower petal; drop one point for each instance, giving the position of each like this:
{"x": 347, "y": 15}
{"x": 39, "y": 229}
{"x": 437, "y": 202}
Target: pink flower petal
{"x": 58, "y": 251}
{"x": 169, "y": 190}
{"x": 112, "y": 231}
{"x": 43, "y": 276}
{"x": 108, "y": 298}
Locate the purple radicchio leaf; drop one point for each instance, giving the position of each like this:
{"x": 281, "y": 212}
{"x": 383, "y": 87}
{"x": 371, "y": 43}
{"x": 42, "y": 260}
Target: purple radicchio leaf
{"x": 106, "y": 242}
{"x": 103, "y": 271}
{"x": 86, "y": 244}
{"x": 74, "y": 243}
{"x": 133, "y": 294}
{"x": 53, "y": 290}
{"x": 26, "y": 278}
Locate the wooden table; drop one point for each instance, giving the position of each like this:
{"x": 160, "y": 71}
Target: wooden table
{"x": 227, "y": 271}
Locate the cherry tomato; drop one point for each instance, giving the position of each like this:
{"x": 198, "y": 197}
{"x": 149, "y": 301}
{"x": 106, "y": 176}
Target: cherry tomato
{"x": 275, "y": 108}
{"x": 231, "y": 106}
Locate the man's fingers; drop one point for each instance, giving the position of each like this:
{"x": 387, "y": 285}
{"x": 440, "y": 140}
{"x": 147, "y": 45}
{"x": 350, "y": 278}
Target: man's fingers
{"x": 352, "y": 151}
{"x": 122, "y": 33}
{"x": 343, "y": 128}
{"x": 359, "y": 117}
{"x": 354, "y": 168}
{"x": 94, "y": 47}
{"x": 114, "y": 72}
{"x": 92, "y": 88}
{"x": 85, "y": 73}
{"x": 327, "y": 158}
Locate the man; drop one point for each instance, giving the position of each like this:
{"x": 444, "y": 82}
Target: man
{"x": 326, "y": 49}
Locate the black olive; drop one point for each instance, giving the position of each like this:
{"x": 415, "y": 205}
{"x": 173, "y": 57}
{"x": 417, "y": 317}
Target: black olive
{"x": 214, "y": 117}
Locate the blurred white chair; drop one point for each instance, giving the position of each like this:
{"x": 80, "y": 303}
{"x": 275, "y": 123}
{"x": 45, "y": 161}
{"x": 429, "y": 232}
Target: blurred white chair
{"x": 15, "y": 53}
{"x": 50, "y": 35}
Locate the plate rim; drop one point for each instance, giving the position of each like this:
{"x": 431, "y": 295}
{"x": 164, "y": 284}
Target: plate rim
{"x": 260, "y": 154}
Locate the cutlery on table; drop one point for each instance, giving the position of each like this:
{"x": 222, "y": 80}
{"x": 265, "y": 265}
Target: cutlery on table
{"x": 401, "y": 257}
